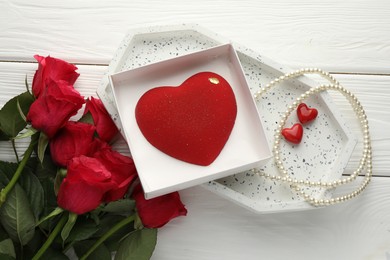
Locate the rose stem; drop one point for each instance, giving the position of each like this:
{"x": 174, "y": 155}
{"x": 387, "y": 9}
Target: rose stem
{"x": 51, "y": 237}
{"x": 114, "y": 229}
{"x": 13, "y": 181}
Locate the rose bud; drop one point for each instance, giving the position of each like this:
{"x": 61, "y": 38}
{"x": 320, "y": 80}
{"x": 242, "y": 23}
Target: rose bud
{"x": 52, "y": 68}
{"x": 54, "y": 107}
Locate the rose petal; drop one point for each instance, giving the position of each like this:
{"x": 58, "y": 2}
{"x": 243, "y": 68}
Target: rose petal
{"x": 73, "y": 140}
{"x": 122, "y": 169}
{"x": 105, "y": 127}
{"x": 156, "y": 212}
{"x": 84, "y": 186}
{"x": 54, "y": 69}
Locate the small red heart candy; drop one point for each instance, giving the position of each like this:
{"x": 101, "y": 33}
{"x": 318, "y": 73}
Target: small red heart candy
{"x": 306, "y": 114}
{"x": 293, "y": 134}
{"x": 191, "y": 122}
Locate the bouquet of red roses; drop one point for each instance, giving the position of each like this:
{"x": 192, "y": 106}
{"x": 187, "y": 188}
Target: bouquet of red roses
{"x": 77, "y": 192}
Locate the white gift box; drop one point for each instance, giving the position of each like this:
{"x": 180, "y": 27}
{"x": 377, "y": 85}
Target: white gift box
{"x": 160, "y": 173}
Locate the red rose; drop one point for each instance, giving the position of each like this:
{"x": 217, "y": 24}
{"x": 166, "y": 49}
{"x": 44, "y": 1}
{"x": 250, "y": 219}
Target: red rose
{"x": 105, "y": 127}
{"x": 56, "y": 104}
{"x": 84, "y": 186}
{"x": 73, "y": 140}
{"x": 156, "y": 212}
{"x": 52, "y": 68}
{"x": 122, "y": 171}
{"x": 98, "y": 145}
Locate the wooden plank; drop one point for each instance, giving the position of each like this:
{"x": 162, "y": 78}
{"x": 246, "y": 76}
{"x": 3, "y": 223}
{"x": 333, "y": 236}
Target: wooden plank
{"x": 372, "y": 92}
{"x": 339, "y": 36}
{"x": 328, "y": 233}
{"x": 217, "y": 229}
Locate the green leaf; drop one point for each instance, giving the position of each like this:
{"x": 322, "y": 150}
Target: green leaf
{"x": 29, "y": 132}
{"x": 94, "y": 215}
{"x": 3, "y": 136}
{"x": 112, "y": 242}
{"x": 27, "y": 86}
{"x": 106, "y": 222}
{"x": 138, "y": 222}
{"x": 21, "y": 113}
{"x": 34, "y": 191}
{"x": 46, "y": 169}
{"x": 68, "y": 226}
{"x": 3, "y": 180}
{"x": 17, "y": 217}
{"x": 87, "y": 118}
{"x": 55, "y": 212}
{"x": 61, "y": 174}
{"x": 42, "y": 144}
{"x": 50, "y": 204}
{"x": 29, "y": 183}
{"x": 11, "y": 122}
{"x": 83, "y": 230}
{"x": 7, "y": 248}
{"x": 53, "y": 254}
{"x": 3, "y": 234}
{"x": 7, "y": 170}
{"x": 6, "y": 257}
{"x": 139, "y": 245}
{"x": 33, "y": 246}
{"x": 100, "y": 253}
{"x": 121, "y": 207}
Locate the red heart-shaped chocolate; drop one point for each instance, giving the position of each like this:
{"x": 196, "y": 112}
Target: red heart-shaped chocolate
{"x": 306, "y": 114}
{"x": 191, "y": 122}
{"x": 293, "y": 134}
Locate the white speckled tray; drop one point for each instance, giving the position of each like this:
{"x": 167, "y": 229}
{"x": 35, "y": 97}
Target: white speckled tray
{"x": 325, "y": 148}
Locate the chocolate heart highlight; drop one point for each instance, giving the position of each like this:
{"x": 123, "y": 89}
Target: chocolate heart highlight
{"x": 306, "y": 114}
{"x": 191, "y": 122}
{"x": 293, "y": 134}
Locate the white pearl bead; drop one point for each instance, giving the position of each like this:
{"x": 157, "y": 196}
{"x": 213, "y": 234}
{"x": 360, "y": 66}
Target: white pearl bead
{"x": 365, "y": 162}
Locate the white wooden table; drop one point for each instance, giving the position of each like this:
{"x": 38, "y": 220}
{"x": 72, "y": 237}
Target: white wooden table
{"x": 348, "y": 38}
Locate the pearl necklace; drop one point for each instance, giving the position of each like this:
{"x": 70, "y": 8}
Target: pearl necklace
{"x": 365, "y": 161}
